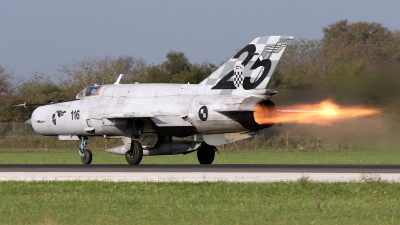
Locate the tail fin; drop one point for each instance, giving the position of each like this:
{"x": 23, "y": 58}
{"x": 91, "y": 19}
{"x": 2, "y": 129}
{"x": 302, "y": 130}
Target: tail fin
{"x": 252, "y": 67}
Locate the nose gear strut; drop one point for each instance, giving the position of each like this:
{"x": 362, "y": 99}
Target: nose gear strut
{"x": 86, "y": 154}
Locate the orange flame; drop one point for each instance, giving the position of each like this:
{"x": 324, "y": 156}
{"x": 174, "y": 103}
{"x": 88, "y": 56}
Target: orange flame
{"x": 323, "y": 113}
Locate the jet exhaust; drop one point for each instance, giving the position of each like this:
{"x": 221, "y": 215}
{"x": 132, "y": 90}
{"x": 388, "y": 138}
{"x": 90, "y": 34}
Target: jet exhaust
{"x": 323, "y": 113}
{"x": 261, "y": 114}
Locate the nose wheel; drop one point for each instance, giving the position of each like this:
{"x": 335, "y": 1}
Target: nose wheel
{"x": 86, "y": 154}
{"x": 87, "y": 157}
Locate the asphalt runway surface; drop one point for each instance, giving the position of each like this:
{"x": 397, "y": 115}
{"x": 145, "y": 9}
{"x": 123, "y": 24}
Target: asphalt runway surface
{"x": 221, "y": 168}
{"x": 199, "y": 173}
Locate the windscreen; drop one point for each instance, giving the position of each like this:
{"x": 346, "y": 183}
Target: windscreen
{"x": 89, "y": 91}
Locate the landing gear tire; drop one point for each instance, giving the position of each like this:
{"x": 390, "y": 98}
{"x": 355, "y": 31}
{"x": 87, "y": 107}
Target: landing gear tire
{"x": 135, "y": 154}
{"x": 87, "y": 157}
{"x": 206, "y": 154}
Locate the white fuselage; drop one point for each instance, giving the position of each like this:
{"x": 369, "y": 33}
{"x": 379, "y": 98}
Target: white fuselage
{"x": 106, "y": 113}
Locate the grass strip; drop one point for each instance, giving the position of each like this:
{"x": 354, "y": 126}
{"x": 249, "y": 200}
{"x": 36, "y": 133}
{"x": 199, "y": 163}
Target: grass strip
{"x": 300, "y": 202}
{"x": 366, "y": 155}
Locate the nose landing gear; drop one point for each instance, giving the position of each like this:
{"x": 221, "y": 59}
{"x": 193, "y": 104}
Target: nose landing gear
{"x": 86, "y": 154}
{"x": 87, "y": 157}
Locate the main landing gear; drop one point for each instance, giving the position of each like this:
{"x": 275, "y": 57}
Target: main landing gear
{"x": 135, "y": 154}
{"x": 206, "y": 153}
{"x": 86, "y": 154}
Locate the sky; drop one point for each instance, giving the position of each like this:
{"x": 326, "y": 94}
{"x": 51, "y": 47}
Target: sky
{"x": 42, "y": 35}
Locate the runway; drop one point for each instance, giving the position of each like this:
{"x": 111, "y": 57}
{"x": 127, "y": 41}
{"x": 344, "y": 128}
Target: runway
{"x": 199, "y": 173}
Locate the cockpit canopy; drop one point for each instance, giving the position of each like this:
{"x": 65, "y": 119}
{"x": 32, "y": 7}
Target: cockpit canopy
{"x": 89, "y": 91}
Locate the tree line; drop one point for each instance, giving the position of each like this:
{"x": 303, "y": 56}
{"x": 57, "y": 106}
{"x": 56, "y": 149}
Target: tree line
{"x": 353, "y": 63}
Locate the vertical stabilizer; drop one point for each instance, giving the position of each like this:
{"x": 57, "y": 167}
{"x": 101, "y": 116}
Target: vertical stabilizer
{"x": 252, "y": 67}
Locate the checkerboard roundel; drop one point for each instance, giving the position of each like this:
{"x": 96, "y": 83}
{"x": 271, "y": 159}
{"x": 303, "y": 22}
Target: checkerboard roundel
{"x": 238, "y": 75}
{"x": 203, "y": 113}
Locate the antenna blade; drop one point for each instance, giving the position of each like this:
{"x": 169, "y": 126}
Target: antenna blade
{"x": 119, "y": 79}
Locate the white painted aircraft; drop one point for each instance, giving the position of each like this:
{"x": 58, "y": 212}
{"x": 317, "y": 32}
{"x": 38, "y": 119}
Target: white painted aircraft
{"x": 229, "y": 105}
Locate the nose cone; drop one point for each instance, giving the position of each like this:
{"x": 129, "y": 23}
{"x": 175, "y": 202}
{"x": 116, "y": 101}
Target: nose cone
{"x": 46, "y": 121}
{"x": 38, "y": 121}
{"x": 29, "y": 122}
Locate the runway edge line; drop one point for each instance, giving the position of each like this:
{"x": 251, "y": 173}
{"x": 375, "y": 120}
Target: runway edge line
{"x": 198, "y": 176}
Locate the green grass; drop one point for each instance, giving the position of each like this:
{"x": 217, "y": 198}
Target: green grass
{"x": 362, "y": 155}
{"x": 300, "y": 202}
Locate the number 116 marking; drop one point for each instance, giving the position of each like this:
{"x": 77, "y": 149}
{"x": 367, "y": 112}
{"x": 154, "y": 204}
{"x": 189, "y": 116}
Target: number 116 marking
{"x": 75, "y": 114}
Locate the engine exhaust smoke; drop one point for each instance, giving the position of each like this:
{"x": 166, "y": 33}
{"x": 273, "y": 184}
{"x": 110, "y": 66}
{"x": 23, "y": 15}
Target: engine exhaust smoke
{"x": 324, "y": 113}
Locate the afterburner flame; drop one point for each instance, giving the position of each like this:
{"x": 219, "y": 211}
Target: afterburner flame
{"x": 324, "y": 113}
{"x": 262, "y": 114}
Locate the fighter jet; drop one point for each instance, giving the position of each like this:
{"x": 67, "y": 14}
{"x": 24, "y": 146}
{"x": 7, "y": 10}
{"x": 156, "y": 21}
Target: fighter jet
{"x": 229, "y": 105}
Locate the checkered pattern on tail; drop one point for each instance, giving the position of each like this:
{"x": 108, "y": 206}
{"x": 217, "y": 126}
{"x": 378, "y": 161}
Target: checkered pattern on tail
{"x": 238, "y": 77}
